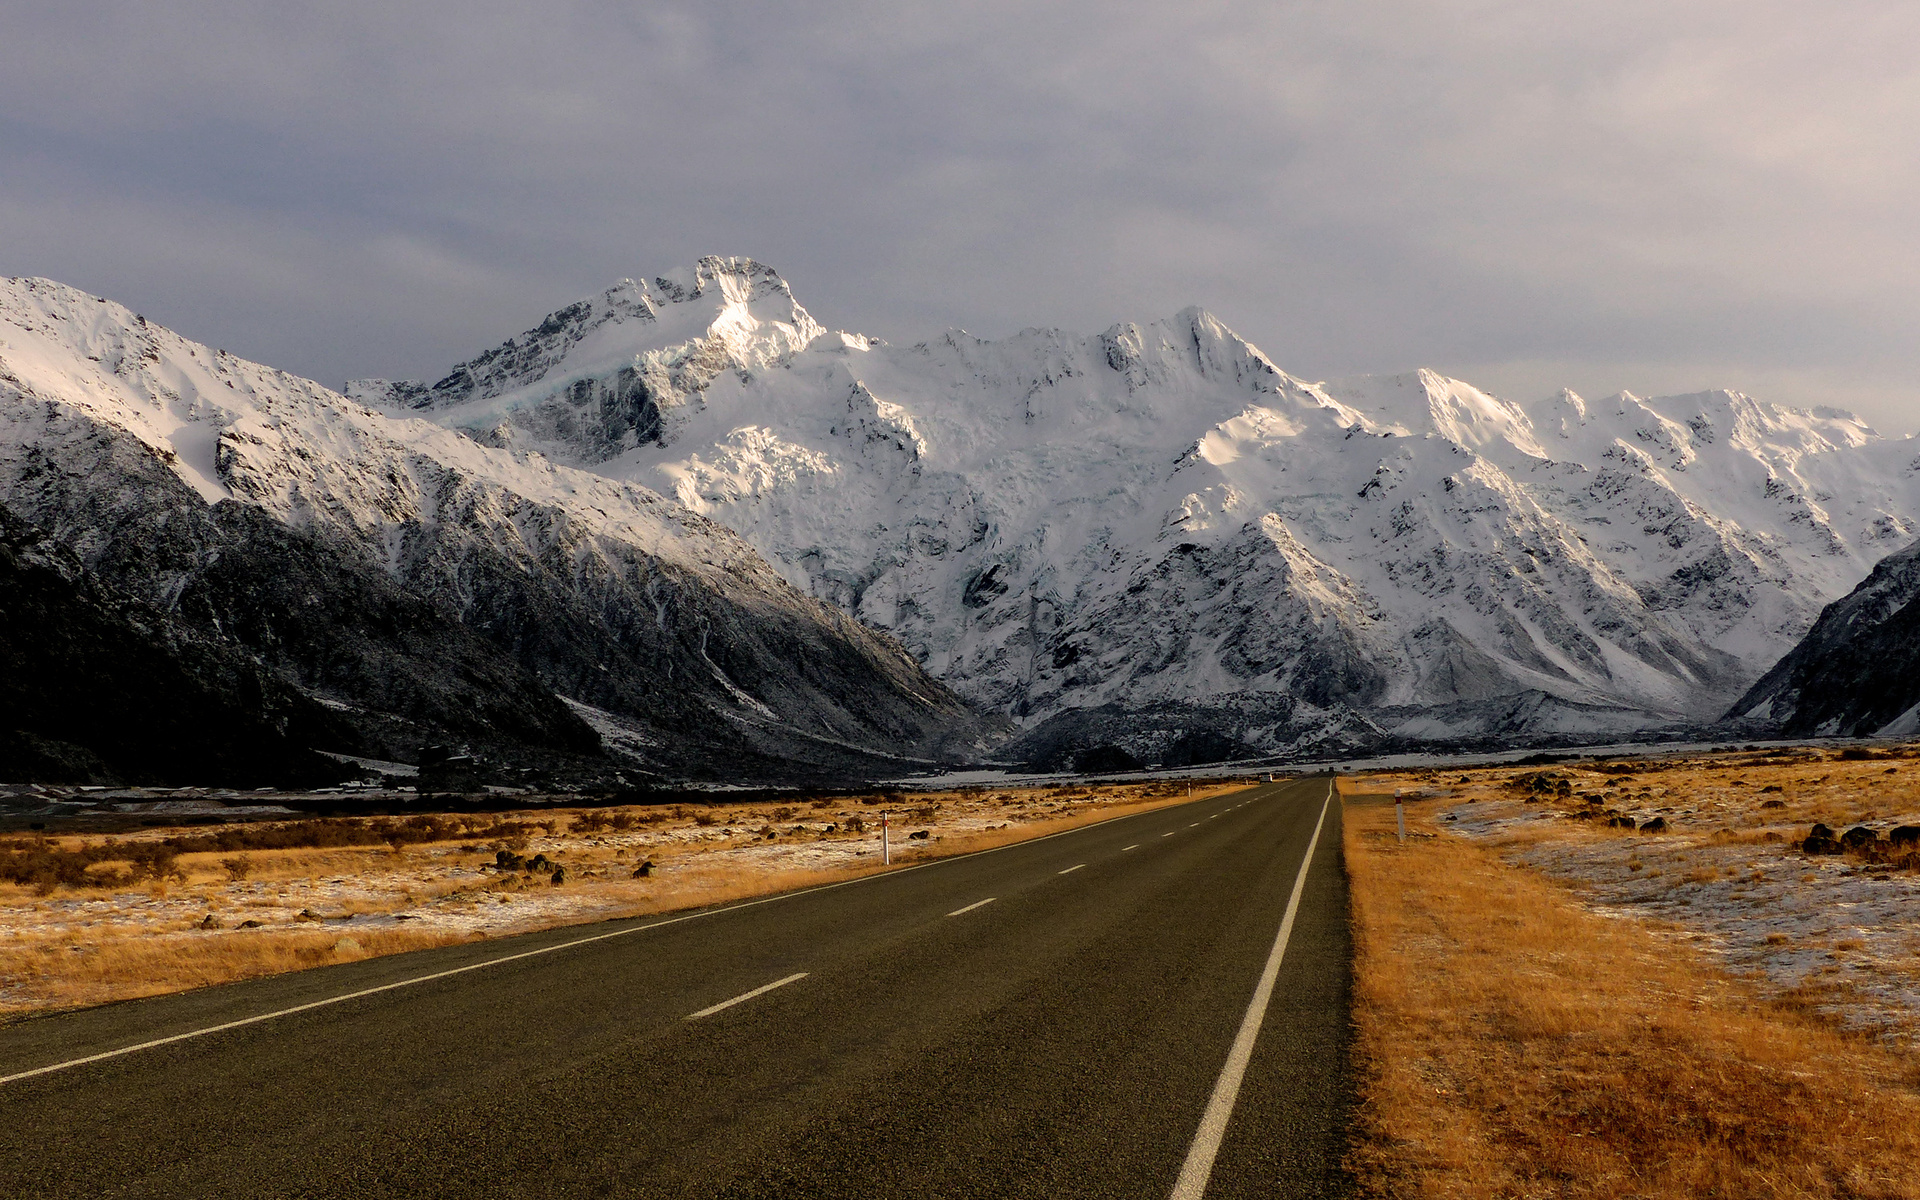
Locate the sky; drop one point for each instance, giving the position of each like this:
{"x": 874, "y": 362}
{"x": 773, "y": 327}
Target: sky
{"x": 1662, "y": 197}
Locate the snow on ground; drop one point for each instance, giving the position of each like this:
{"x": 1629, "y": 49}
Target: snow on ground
{"x": 1728, "y": 877}
{"x": 455, "y": 890}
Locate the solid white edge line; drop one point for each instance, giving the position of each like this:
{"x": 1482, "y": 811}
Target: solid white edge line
{"x": 1192, "y": 1184}
{"x": 598, "y": 937}
{"x": 1070, "y": 870}
{"x": 969, "y": 908}
{"x": 743, "y": 997}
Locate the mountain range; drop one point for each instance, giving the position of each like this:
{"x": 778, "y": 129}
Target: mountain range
{"x": 1156, "y": 538}
{"x": 424, "y": 588}
{"x": 682, "y": 529}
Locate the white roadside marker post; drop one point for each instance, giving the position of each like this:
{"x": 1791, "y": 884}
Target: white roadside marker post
{"x": 1400, "y": 814}
{"x": 886, "y": 845}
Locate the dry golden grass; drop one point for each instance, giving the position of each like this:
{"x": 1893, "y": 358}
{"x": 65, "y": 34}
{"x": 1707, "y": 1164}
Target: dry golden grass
{"x": 1514, "y": 1044}
{"x": 69, "y": 974}
{"x": 71, "y": 947}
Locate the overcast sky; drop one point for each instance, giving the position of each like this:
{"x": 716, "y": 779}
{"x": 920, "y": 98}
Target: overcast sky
{"x": 1661, "y": 196}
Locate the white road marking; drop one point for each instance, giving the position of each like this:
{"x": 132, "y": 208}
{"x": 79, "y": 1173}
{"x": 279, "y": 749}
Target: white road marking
{"x": 969, "y": 908}
{"x": 1195, "y": 825}
{"x": 745, "y": 996}
{"x": 1070, "y": 870}
{"x": 507, "y": 958}
{"x": 1170, "y": 833}
{"x": 1192, "y": 1184}
{"x": 1135, "y": 846}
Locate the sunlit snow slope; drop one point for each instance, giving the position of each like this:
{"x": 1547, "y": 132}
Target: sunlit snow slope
{"x": 1158, "y": 526}
{"x": 422, "y": 583}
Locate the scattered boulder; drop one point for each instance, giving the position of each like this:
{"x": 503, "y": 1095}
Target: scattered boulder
{"x": 306, "y": 914}
{"x": 1858, "y": 836}
{"x": 209, "y": 922}
{"x": 643, "y": 870}
{"x": 559, "y": 876}
{"x": 1773, "y": 804}
{"x": 1904, "y": 835}
{"x": 251, "y": 924}
{"x": 1657, "y": 825}
{"x": 346, "y": 945}
{"x": 1621, "y": 821}
{"x": 1821, "y": 841}
{"x": 921, "y": 834}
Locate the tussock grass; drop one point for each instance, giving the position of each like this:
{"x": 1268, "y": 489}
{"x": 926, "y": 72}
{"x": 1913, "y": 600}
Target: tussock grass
{"x": 89, "y": 920}
{"x": 69, "y": 971}
{"x": 1514, "y": 1043}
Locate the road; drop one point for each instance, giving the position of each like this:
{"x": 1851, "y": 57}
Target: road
{"x": 1049, "y": 1019}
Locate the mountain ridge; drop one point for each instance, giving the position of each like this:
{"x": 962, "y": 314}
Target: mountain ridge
{"x": 1158, "y": 516}
{"x": 427, "y": 586}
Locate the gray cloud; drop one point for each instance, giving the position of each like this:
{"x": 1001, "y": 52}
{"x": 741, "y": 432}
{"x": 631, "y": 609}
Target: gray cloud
{"x": 1527, "y": 194}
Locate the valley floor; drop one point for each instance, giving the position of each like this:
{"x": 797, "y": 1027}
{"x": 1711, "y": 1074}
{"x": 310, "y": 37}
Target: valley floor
{"x": 210, "y": 916}
{"x": 1547, "y": 1004}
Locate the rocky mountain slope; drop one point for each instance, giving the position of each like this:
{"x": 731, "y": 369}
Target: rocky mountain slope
{"x": 1857, "y": 673}
{"x": 1154, "y": 537}
{"x": 424, "y": 587}
{"x": 95, "y": 688}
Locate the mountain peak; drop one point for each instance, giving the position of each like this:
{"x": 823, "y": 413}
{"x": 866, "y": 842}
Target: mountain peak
{"x": 681, "y": 329}
{"x": 741, "y": 280}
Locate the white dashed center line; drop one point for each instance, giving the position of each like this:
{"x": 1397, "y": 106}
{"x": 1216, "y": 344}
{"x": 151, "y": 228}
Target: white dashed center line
{"x": 969, "y": 908}
{"x": 1135, "y": 846}
{"x": 1170, "y": 833}
{"x": 1070, "y": 870}
{"x": 745, "y": 996}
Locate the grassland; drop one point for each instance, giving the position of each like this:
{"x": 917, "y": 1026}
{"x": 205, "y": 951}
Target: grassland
{"x": 90, "y": 919}
{"x": 1550, "y": 1005}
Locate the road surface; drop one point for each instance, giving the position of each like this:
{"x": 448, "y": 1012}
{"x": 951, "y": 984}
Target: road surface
{"x": 1080, "y": 1015}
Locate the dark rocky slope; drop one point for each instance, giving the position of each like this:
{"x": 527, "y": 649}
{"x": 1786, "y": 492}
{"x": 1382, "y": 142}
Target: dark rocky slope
{"x": 96, "y": 688}
{"x": 1857, "y": 672}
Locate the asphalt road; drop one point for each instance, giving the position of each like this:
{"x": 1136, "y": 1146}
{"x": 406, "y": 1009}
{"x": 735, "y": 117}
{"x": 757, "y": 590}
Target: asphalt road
{"x": 1051, "y": 1019}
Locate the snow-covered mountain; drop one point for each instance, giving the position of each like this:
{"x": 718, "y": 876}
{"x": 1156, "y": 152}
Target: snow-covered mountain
{"x": 1155, "y": 537}
{"x": 425, "y": 586}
